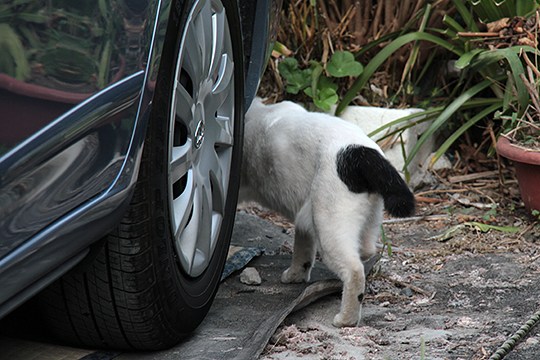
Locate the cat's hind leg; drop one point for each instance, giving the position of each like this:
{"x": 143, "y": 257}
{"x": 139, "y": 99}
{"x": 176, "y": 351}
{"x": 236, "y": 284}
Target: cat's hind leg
{"x": 372, "y": 228}
{"x": 304, "y": 248}
{"x": 339, "y": 224}
{"x": 352, "y": 297}
{"x": 351, "y": 272}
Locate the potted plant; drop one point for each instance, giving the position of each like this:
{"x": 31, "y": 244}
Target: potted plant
{"x": 521, "y": 143}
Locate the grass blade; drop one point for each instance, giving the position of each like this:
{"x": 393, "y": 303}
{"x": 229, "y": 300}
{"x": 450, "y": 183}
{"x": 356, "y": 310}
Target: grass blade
{"x": 456, "y": 134}
{"x": 466, "y": 15}
{"x": 449, "y": 111}
{"x": 426, "y": 113}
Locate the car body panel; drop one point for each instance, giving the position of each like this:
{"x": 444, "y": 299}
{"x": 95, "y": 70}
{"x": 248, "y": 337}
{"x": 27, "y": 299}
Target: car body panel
{"x": 69, "y": 183}
{"x": 73, "y": 159}
{"x": 69, "y": 160}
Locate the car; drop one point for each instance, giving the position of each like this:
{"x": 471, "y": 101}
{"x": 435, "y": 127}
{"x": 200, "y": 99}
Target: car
{"x": 120, "y": 147}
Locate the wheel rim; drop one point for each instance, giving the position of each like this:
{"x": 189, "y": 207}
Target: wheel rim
{"x": 201, "y": 135}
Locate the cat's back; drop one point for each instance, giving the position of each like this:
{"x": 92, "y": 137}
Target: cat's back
{"x": 291, "y": 124}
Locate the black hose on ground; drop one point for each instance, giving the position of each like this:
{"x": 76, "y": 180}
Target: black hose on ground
{"x": 519, "y": 335}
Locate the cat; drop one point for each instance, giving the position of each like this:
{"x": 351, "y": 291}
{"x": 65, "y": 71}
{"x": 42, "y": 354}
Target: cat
{"x": 332, "y": 181}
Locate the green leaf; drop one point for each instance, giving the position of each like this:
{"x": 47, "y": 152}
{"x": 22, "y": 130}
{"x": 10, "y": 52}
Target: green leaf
{"x": 452, "y": 24}
{"x": 465, "y": 59}
{"x": 103, "y": 9}
{"x": 406, "y": 122}
{"x": 386, "y": 241}
{"x": 280, "y": 48}
{"x": 342, "y": 64}
{"x": 324, "y": 95}
{"x": 325, "y": 82}
{"x": 517, "y": 68}
{"x": 413, "y": 55}
{"x": 296, "y": 78}
{"x": 288, "y": 67}
{"x": 525, "y": 7}
{"x": 485, "y": 227}
{"x": 14, "y": 61}
{"x": 316, "y": 72}
{"x": 325, "y": 99}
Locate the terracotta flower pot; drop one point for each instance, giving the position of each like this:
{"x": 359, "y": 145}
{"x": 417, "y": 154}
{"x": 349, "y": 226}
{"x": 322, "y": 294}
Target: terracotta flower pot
{"x": 527, "y": 163}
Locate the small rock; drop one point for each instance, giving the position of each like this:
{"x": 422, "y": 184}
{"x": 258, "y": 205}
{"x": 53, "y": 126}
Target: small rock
{"x": 390, "y": 317}
{"x": 250, "y": 276}
{"x": 442, "y": 163}
{"x": 531, "y": 342}
{"x": 406, "y": 292}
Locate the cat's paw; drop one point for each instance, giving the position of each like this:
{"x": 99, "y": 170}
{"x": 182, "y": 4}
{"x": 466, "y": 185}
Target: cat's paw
{"x": 290, "y": 276}
{"x": 341, "y": 320}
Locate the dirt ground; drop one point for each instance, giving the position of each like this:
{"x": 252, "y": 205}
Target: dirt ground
{"x": 450, "y": 288}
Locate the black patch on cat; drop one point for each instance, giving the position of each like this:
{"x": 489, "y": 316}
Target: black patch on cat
{"x": 306, "y": 266}
{"x": 364, "y": 169}
{"x": 360, "y": 297}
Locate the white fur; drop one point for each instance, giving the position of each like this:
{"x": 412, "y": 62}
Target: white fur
{"x": 290, "y": 166}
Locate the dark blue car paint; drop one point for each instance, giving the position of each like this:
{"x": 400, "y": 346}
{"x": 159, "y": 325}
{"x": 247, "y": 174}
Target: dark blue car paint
{"x": 58, "y": 228}
{"x": 75, "y": 158}
{"x": 64, "y": 187}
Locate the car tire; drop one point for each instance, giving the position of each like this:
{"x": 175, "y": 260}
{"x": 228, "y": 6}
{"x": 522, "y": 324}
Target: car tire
{"x": 154, "y": 279}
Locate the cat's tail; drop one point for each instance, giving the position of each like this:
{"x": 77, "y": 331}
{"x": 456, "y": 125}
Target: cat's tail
{"x": 364, "y": 169}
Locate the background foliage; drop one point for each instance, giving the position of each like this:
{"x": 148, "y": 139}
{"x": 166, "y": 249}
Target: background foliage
{"x": 470, "y": 64}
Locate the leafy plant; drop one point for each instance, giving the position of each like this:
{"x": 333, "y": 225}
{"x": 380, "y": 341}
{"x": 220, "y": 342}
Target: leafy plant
{"x": 490, "y": 82}
{"x": 317, "y": 82}
{"x": 488, "y": 64}
{"x": 312, "y": 30}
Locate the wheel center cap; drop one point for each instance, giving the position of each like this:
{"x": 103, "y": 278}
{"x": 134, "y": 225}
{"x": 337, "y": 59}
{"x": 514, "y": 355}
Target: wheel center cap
{"x": 199, "y": 134}
{"x": 198, "y": 137}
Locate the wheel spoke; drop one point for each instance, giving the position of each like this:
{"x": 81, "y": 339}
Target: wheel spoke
{"x": 218, "y": 31}
{"x": 204, "y": 237}
{"x": 222, "y": 90}
{"x": 185, "y": 105}
{"x": 220, "y": 184}
{"x": 224, "y": 137}
{"x": 225, "y": 75}
{"x": 187, "y": 240}
{"x": 204, "y": 31}
{"x": 211, "y": 163}
{"x": 193, "y": 57}
{"x": 182, "y": 206}
{"x": 181, "y": 162}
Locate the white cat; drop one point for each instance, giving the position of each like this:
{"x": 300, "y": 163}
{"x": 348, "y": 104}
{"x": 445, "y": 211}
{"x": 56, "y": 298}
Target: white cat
{"x": 329, "y": 178}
